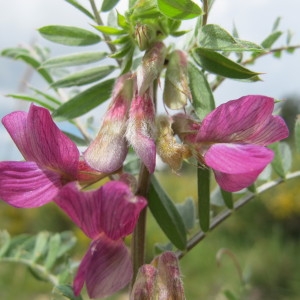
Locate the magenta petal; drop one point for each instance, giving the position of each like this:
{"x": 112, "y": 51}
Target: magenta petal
{"x": 16, "y": 125}
{"x": 106, "y": 268}
{"x": 24, "y": 184}
{"x": 40, "y": 140}
{"x": 121, "y": 209}
{"x": 272, "y": 130}
{"x": 236, "y": 182}
{"x": 50, "y": 146}
{"x": 145, "y": 148}
{"x": 141, "y": 129}
{"x": 112, "y": 209}
{"x": 237, "y": 158}
{"x": 236, "y": 120}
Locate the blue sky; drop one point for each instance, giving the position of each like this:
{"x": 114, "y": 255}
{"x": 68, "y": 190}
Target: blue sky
{"x": 19, "y": 20}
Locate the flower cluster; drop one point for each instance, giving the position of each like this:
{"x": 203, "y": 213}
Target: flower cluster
{"x": 231, "y": 140}
{"x": 54, "y": 170}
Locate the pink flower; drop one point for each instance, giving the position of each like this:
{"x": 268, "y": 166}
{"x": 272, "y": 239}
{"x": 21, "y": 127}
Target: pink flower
{"x": 106, "y": 216}
{"x": 151, "y": 66}
{"x": 52, "y": 160}
{"x": 109, "y": 149}
{"x": 141, "y": 128}
{"x": 232, "y": 139}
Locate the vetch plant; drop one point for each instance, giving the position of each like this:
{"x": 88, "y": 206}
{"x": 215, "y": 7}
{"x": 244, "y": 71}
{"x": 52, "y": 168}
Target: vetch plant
{"x": 108, "y": 190}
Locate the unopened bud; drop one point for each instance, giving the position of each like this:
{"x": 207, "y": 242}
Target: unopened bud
{"x": 159, "y": 280}
{"x": 144, "y": 287}
{"x": 152, "y": 65}
{"x": 170, "y": 151}
{"x": 109, "y": 149}
{"x": 169, "y": 274}
{"x": 176, "y": 90}
{"x": 141, "y": 128}
{"x": 144, "y": 36}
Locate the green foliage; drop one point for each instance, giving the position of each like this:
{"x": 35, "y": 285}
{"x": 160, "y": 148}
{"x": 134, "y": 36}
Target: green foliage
{"x": 181, "y": 9}
{"x": 204, "y": 198}
{"x": 68, "y": 35}
{"x": 81, "y": 8}
{"x": 283, "y": 159}
{"x": 43, "y": 253}
{"x": 166, "y": 215}
{"x": 217, "y": 63}
{"x": 216, "y": 38}
{"x": 66, "y": 291}
{"x": 73, "y": 59}
{"x": 202, "y": 96}
{"x": 84, "y": 101}
{"x": 108, "y": 5}
{"x": 84, "y": 77}
{"x": 29, "y": 58}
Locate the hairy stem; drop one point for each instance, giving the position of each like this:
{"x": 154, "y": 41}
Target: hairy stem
{"x": 199, "y": 236}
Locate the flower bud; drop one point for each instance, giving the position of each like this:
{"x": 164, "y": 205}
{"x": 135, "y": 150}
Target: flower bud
{"x": 169, "y": 275}
{"x": 159, "y": 280}
{"x": 144, "y": 287}
{"x": 176, "y": 90}
{"x": 170, "y": 151}
{"x": 152, "y": 65}
{"x": 141, "y": 128}
{"x": 144, "y": 36}
{"x": 109, "y": 149}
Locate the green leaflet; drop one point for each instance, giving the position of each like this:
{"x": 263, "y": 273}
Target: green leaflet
{"x": 68, "y": 35}
{"x": 202, "y": 96}
{"x": 204, "y": 198}
{"x": 214, "y": 37}
{"x": 282, "y": 161}
{"x": 39, "y": 101}
{"x": 75, "y": 59}
{"x": 34, "y": 251}
{"x": 84, "y": 77}
{"x": 187, "y": 212}
{"x": 81, "y": 8}
{"x": 84, "y": 101}
{"x": 166, "y": 215}
{"x": 64, "y": 291}
{"x": 110, "y": 30}
{"x": 107, "y": 5}
{"x": 228, "y": 198}
{"x": 271, "y": 39}
{"x": 179, "y": 9}
{"x": 217, "y": 63}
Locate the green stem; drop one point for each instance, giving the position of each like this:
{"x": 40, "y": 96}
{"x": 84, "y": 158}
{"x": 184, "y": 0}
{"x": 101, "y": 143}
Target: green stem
{"x": 138, "y": 237}
{"x": 107, "y": 38}
{"x": 205, "y": 10}
{"x": 199, "y": 236}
